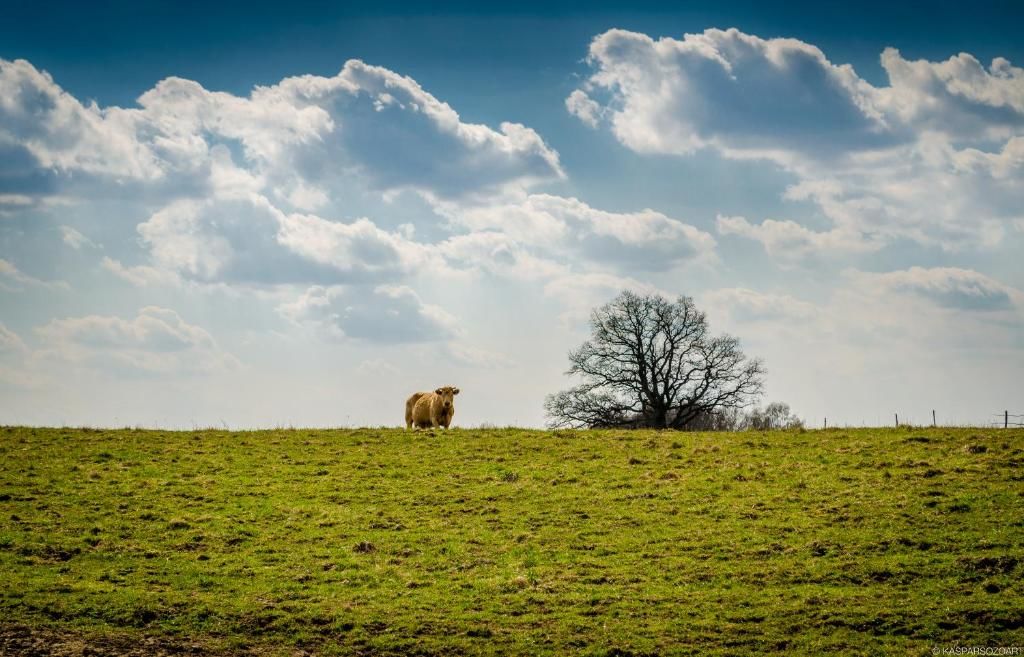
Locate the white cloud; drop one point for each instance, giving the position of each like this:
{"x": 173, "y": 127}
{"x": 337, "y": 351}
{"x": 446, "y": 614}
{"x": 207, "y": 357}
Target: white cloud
{"x": 60, "y": 132}
{"x": 745, "y": 305}
{"x": 780, "y": 98}
{"x": 583, "y": 107}
{"x": 10, "y": 342}
{"x": 402, "y": 136}
{"x": 15, "y": 280}
{"x": 16, "y": 368}
{"x": 248, "y": 240}
{"x": 305, "y": 196}
{"x": 746, "y": 96}
{"x": 139, "y": 275}
{"x": 644, "y": 240}
{"x": 946, "y": 287}
{"x": 358, "y": 249}
{"x": 957, "y": 96}
{"x": 75, "y": 239}
{"x": 1006, "y": 164}
{"x": 214, "y": 160}
{"x": 157, "y": 340}
{"x": 295, "y": 136}
{"x": 940, "y": 308}
{"x": 871, "y": 158}
{"x": 579, "y": 293}
{"x": 902, "y": 341}
{"x": 790, "y": 242}
{"x": 497, "y": 254}
{"x": 385, "y": 314}
{"x": 15, "y": 200}
{"x": 929, "y": 193}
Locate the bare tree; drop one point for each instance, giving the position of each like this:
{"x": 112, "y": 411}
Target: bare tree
{"x": 652, "y": 362}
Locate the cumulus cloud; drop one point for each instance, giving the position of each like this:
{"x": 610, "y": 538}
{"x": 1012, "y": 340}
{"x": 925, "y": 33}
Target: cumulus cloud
{"x": 583, "y": 107}
{"x": 782, "y": 98}
{"x": 57, "y": 131}
{"x": 403, "y": 136}
{"x": 495, "y": 253}
{"x": 156, "y": 341}
{"x": 1007, "y": 164}
{"x": 237, "y": 179}
{"x": 247, "y": 239}
{"x": 294, "y": 134}
{"x": 932, "y": 193}
{"x": 790, "y": 242}
{"x": 645, "y": 240}
{"x": 869, "y": 157}
{"x": 946, "y": 287}
{"x": 386, "y": 314}
{"x": 743, "y": 95}
{"x": 359, "y": 249}
{"x": 958, "y": 96}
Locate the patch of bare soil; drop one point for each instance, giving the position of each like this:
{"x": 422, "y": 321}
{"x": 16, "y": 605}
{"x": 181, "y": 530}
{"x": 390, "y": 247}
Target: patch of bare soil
{"x": 18, "y": 640}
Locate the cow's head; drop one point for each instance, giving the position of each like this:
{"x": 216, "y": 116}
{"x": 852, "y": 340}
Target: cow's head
{"x": 447, "y": 395}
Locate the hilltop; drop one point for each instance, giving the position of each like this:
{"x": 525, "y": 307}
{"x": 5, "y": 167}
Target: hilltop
{"x": 382, "y": 541}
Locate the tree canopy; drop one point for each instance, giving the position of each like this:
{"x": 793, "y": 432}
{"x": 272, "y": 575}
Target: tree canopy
{"x": 653, "y": 362}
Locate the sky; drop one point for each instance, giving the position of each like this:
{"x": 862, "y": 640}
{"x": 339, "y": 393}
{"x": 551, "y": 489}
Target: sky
{"x": 243, "y": 215}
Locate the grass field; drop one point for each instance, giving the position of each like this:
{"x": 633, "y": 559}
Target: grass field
{"x": 510, "y": 541}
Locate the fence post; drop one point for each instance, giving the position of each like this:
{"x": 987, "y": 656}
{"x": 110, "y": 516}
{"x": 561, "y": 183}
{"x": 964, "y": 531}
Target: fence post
{"x": 826, "y": 423}
{"x": 933, "y": 417}
{"x": 1006, "y": 419}
{"x": 897, "y": 420}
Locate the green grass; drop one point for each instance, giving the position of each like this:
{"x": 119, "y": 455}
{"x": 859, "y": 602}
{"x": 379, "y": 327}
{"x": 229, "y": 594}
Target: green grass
{"x": 368, "y": 541}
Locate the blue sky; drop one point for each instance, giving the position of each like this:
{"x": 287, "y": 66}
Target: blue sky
{"x": 257, "y": 217}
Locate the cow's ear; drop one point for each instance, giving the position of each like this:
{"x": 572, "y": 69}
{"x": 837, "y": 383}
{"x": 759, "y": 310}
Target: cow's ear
{"x": 439, "y": 391}
{"x": 455, "y": 391}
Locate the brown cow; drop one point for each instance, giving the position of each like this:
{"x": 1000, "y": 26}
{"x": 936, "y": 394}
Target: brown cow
{"x": 431, "y": 409}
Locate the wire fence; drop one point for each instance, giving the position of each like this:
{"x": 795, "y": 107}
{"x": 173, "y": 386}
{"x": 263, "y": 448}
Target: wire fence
{"x": 1006, "y": 420}
{"x": 1009, "y": 420}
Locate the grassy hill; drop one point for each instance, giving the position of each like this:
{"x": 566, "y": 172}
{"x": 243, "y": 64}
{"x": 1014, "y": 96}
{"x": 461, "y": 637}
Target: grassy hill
{"x": 510, "y": 541}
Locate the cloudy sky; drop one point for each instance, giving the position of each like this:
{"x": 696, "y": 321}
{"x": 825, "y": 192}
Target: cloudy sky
{"x": 245, "y": 217}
